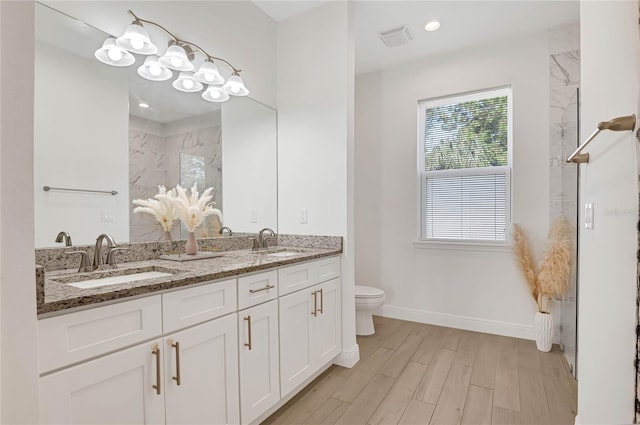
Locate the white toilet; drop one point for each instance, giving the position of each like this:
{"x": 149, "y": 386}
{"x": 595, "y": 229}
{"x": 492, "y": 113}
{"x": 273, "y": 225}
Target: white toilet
{"x": 368, "y": 299}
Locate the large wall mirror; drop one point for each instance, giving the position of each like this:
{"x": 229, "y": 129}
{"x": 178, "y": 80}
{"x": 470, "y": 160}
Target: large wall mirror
{"x": 102, "y": 128}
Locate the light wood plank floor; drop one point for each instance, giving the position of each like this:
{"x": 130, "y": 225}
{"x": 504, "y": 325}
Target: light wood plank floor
{"x": 411, "y": 373}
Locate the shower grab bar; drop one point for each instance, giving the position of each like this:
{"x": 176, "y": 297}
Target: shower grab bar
{"x": 110, "y": 192}
{"x": 616, "y": 124}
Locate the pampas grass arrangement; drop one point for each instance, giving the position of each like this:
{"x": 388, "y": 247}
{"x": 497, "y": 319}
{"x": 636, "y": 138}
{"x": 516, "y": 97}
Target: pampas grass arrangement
{"x": 551, "y": 278}
{"x": 179, "y": 203}
{"x": 161, "y": 207}
{"x": 191, "y": 207}
{"x": 525, "y": 262}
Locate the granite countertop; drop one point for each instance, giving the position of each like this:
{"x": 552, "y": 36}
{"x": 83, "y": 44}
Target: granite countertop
{"x": 56, "y": 296}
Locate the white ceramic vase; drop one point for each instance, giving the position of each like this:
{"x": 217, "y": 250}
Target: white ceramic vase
{"x": 542, "y": 327}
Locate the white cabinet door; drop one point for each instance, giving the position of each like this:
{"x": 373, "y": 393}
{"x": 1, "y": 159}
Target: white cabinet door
{"x": 296, "y": 356}
{"x": 205, "y": 360}
{"x": 115, "y": 389}
{"x": 326, "y": 325}
{"x": 310, "y": 332}
{"x": 259, "y": 363}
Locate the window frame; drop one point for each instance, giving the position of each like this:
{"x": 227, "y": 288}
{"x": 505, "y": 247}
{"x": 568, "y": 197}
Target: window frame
{"x": 422, "y": 174}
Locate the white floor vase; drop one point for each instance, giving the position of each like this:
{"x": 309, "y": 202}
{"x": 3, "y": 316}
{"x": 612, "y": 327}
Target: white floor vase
{"x": 542, "y": 327}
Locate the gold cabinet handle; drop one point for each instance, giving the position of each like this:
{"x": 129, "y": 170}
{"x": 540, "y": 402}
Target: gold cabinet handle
{"x": 266, "y": 288}
{"x": 321, "y": 309}
{"x": 248, "y": 344}
{"x": 176, "y": 345}
{"x": 156, "y": 352}
{"x": 315, "y": 303}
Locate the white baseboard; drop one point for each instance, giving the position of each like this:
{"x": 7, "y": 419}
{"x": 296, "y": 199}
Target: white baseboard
{"x": 495, "y": 327}
{"x": 348, "y": 358}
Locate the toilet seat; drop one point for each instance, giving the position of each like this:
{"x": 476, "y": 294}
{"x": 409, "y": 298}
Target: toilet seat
{"x": 367, "y": 292}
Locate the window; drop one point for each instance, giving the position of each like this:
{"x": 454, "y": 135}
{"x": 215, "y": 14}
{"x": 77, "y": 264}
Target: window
{"x": 465, "y": 151}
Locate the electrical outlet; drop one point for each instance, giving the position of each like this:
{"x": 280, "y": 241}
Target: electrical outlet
{"x": 303, "y": 216}
{"x": 254, "y": 216}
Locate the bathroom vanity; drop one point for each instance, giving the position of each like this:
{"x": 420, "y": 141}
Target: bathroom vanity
{"x": 221, "y": 341}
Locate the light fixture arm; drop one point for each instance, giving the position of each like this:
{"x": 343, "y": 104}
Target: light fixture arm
{"x": 138, "y": 20}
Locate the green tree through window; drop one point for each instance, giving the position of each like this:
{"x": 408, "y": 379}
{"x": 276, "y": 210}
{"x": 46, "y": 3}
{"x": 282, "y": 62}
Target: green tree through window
{"x": 469, "y": 134}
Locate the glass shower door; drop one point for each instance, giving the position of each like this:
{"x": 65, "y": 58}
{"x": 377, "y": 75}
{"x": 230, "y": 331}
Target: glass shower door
{"x": 570, "y": 202}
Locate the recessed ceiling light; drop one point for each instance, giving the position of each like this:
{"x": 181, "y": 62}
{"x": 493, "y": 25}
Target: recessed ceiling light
{"x": 143, "y": 105}
{"x": 432, "y": 26}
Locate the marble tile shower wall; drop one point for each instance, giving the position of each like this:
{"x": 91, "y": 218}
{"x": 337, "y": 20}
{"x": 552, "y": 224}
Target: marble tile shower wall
{"x": 154, "y": 159}
{"x": 564, "y": 68}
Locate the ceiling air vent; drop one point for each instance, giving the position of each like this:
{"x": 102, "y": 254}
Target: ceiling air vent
{"x": 397, "y": 36}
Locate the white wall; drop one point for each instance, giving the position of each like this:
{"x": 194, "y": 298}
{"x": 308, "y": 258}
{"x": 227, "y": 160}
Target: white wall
{"x": 18, "y": 342}
{"x": 315, "y": 94}
{"x": 312, "y": 121}
{"x": 237, "y": 31}
{"x": 250, "y": 169}
{"x": 477, "y": 289}
{"x": 608, "y": 263}
{"x": 80, "y": 148}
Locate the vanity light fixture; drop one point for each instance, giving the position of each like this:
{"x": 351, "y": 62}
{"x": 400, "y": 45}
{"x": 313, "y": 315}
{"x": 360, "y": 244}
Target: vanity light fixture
{"x": 179, "y": 57}
{"x": 235, "y": 86}
{"x": 208, "y": 73}
{"x": 176, "y": 58}
{"x": 432, "y": 26}
{"x": 215, "y": 94}
{"x": 112, "y": 54}
{"x": 136, "y": 39}
{"x": 153, "y": 70}
{"x": 186, "y": 83}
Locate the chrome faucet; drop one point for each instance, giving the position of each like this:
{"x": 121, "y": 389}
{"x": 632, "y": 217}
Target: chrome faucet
{"x": 262, "y": 240}
{"x": 85, "y": 263}
{"x": 98, "y": 259}
{"x": 222, "y": 229}
{"x": 98, "y": 256}
{"x": 64, "y": 237}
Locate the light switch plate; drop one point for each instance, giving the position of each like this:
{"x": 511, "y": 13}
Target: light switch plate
{"x": 303, "y": 216}
{"x": 106, "y": 216}
{"x": 254, "y": 216}
{"x": 588, "y": 215}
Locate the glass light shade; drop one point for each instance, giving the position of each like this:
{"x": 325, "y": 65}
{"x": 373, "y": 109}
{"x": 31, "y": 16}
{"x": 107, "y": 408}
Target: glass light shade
{"x": 235, "y": 86}
{"x": 185, "y": 82}
{"x": 215, "y": 94}
{"x": 112, "y": 54}
{"x": 136, "y": 39}
{"x": 208, "y": 73}
{"x": 176, "y": 58}
{"x": 153, "y": 70}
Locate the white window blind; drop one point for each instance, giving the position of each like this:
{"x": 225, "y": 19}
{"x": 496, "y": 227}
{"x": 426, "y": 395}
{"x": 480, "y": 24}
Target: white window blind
{"x": 465, "y": 169}
{"x": 471, "y": 207}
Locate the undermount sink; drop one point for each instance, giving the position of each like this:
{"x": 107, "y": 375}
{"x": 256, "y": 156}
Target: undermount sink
{"x": 115, "y": 277}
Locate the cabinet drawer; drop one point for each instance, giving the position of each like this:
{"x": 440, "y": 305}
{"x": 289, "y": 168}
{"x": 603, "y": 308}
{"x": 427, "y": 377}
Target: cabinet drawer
{"x": 191, "y": 306}
{"x": 75, "y": 337}
{"x": 300, "y": 276}
{"x": 257, "y": 288}
{"x": 326, "y": 269}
